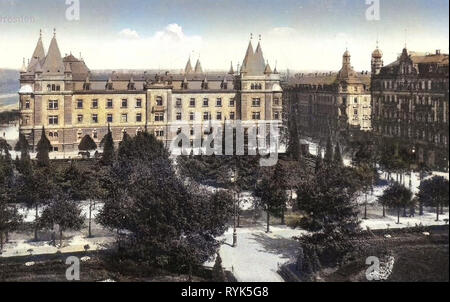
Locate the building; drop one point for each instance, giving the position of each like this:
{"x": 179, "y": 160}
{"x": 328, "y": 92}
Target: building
{"x": 326, "y": 103}
{"x": 71, "y": 101}
{"x": 410, "y": 102}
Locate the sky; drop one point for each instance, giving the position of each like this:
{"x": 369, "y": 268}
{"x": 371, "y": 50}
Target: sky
{"x": 162, "y": 34}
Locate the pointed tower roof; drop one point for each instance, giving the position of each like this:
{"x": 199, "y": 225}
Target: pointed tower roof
{"x": 53, "y": 62}
{"x": 188, "y": 68}
{"x": 248, "y": 56}
{"x": 231, "y": 69}
{"x": 267, "y": 70}
{"x": 198, "y": 67}
{"x": 346, "y": 71}
{"x": 24, "y": 66}
{"x": 38, "y": 54}
{"x": 254, "y": 63}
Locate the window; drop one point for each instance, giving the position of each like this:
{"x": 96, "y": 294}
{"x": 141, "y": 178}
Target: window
{"x": 178, "y": 103}
{"x": 95, "y": 134}
{"x": 256, "y": 102}
{"x": 86, "y": 86}
{"x": 205, "y": 116}
{"x": 276, "y": 115}
{"x": 232, "y": 102}
{"x": 27, "y": 104}
{"x": 94, "y": 104}
{"x": 124, "y": 118}
{"x": 356, "y": 100}
{"x": 276, "y": 101}
{"x": 178, "y": 116}
{"x": 256, "y": 115}
{"x": 138, "y": 117}
{"x": 79, "y": 104}
{"x": 159, "y": 101}
{"x": 219, "y": 102}
{"x": 191, "y": 116}
{"x": 192, "y": 131}
{"x": 52, "y": 105}
{"x": 109, "y": 118}
{"x": 232, "y": 116}
{"x": 109, "y": 86}
{"x": 95, "y": 118}
{"x": 205, "y": 102}
{"x": 80, "y": 118}
{"x": 138, "y": 103}
{"x": 355, "y": 112}
{"x": 219, "y": 116}
{"x": 159, "y": 133}
{"x": 53, "y": 120}
{"x": 192, "y": 103}
{"x": 159, "y": 117}
{"x": 124, "y": 103}
{"x": 109, "y": 103}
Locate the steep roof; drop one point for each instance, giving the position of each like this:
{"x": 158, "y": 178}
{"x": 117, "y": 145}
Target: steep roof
{"x": 38, "y": 55}
{"x": 188, "y": 68}
{"x": 198, "y": 67}
{"x": 254, "y": 63}
{"x": 53, "y": 62}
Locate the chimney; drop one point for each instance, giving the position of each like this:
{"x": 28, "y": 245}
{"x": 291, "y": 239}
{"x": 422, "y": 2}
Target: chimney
{"x": 438, "y": 51}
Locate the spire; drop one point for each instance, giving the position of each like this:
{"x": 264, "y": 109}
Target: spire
{"x": 53, "y": 62}
{"x": 188, "y": 68}
{"x": 198, "y": 67}
{"x": 24, "y": 67}
{"x": 38, "y": 54}
{"x": 267, "y": 70}
{"x": 231, "y": 68}
{"x": 259, "y": 59}
{"x": 275, "y": 71}
{"x": 248, "y": 56}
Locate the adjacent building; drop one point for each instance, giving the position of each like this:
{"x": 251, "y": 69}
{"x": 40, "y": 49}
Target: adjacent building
{"x": 410, "y": 102}
{"x": 325, "y": 103}
{"x": 70, "y": 101}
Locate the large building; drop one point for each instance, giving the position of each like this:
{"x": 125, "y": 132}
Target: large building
{"x": 326, "y": 103}
{"x": 62, "y": 95}
{"x": 410, "y": 102}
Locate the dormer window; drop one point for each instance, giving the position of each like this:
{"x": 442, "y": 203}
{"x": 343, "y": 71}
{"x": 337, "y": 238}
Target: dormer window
{"x": 86, "y": 86}
{"x": 109, "y": 86}
{"x": 184, "y": 85}
{"x": 204, "y": 85}
{"x": 224, "y": 86}
{"x": 131, "y": 86}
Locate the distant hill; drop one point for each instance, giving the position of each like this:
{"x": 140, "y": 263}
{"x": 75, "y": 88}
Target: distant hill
{"x": 9, "y": 81}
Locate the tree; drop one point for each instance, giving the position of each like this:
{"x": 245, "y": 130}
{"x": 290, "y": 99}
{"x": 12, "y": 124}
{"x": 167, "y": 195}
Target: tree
{"x": 328, "y": 201}
{"x": 108, "y": 148}
{"x": 218, "y": 275}
{"x": 319, "y": 160}
{"x": 272, "y": 198}
{"x": 396, "y": 197}
{"x": 4, "y": 148}
{"x": 36, "y": 189}
{"x": 163, "y": 220}
{"x": 81, "y": 185}
{"x": 434, "y": 192}
{"x": 87, "y": 144}
{"x": 337, "y": 155}
{"x": 329, "y": 151}
{"x": 62, "y": 212}
{"x": 43, "y": 149}
{"x": 365, "y": 176}
{"x": 9, "y": 218}
{"x": 22, "y": 146}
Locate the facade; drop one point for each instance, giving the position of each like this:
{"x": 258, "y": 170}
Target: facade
{"x": 325, "y": 103}
{"x": 70, "y": 101}
{"x": 410, "y": 102}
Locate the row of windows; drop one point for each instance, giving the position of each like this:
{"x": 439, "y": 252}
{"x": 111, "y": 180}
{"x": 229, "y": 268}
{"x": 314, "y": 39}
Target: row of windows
{"x": 192, "y": 102}
{"x": 109, "y": 103}
{"x": 206, "y": 116}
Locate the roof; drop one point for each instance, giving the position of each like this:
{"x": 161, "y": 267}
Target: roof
{"x": 53, "y": 62}
{"x": 254, "y": 63}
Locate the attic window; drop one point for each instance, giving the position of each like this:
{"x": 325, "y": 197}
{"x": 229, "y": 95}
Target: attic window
{"x": 184, "y": 85}
{"x": 86, "y": 86}
{"x": 205, "y": 85}
{"x": 131, "y": 86}
{"x": 224, "y": 86}
{"x": 109, "y": 86}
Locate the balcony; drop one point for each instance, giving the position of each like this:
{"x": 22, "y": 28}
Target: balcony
{"x": 158, "y": 108}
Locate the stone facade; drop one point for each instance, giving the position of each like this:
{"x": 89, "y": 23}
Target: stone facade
{"x": 410, "y": 103}
{"x": 62, "y": 95}
{"x": 324, "y": 103}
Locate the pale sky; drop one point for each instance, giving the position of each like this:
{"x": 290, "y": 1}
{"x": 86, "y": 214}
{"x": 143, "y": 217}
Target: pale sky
{"x": 296, "y": 34}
